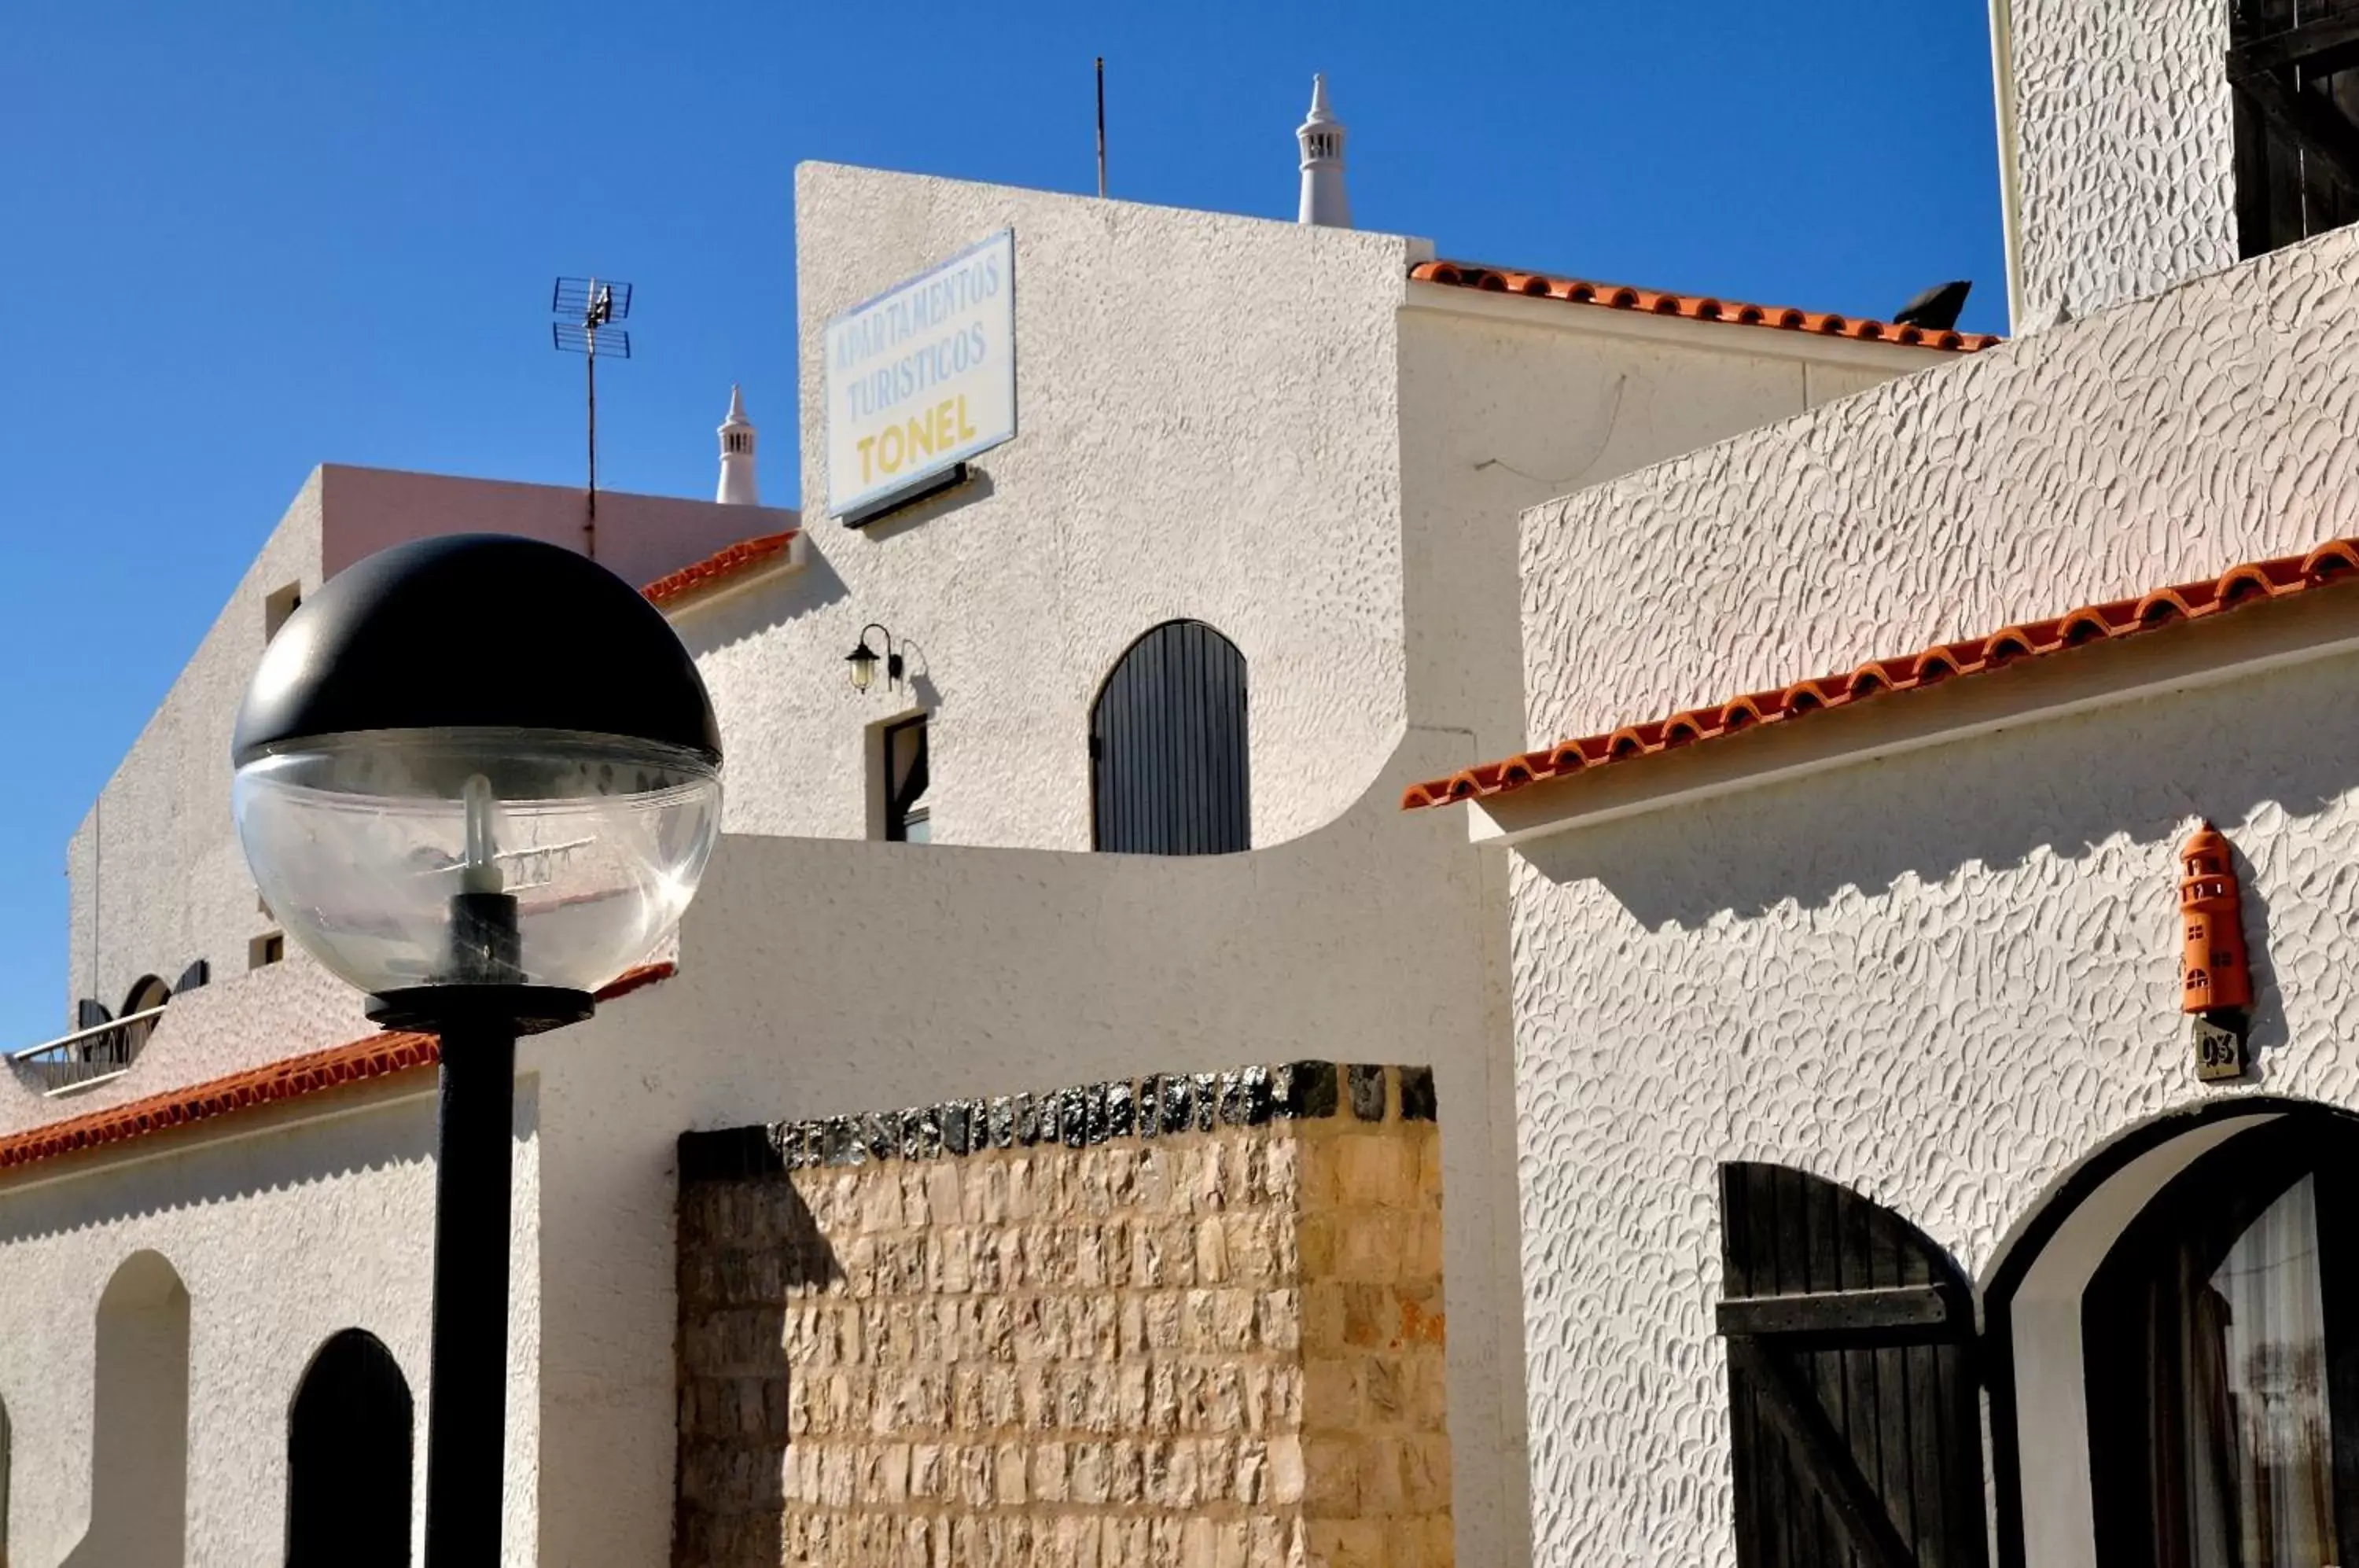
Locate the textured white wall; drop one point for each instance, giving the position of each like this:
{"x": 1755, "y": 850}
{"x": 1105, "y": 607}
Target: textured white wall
{"x": 2162, "y": 442}
{"x": 1506, "y": 401}
{"x": 1941, "y": 980}
{"x": 156, "y": 879}
{"x": 284, "y": 1231}
{"x": 1279, "y": 451}
{"x": 2125, "y": 157}
{"x": 820, "y": 978}
{"x": 1207, "y": 428}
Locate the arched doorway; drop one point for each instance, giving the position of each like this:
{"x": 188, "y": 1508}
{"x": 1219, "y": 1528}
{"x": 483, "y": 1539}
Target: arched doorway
{"x": 139, "y": 1439}
{"x": 2173, "y": 1353}
{"x": 1169, "y": 768}
{"x": 146, "y": 994}
{"x": 2221, "y": 1338}
{"x": 349, "y": 1458}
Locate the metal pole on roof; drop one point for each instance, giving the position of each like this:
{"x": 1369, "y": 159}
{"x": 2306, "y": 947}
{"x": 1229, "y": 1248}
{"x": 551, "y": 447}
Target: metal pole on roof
{"x": 1101, "y": 126}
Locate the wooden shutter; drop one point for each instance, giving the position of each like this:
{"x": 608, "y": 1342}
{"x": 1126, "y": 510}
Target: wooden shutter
{"x": 1853, "y": 1408}
{"x": 1169, "y": 771}
{"x": 2294, "y": 65}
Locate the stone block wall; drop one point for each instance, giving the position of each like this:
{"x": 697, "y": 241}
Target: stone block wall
{"x": 1176, "y": 1323}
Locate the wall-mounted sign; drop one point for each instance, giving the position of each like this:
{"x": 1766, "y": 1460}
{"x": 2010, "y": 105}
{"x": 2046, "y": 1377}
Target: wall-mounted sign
{"x": 921, "y": 378}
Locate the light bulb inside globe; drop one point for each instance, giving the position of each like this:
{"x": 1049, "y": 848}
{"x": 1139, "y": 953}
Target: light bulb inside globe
{"x": 407, "y": 858}
{"x": 862, "y": 660}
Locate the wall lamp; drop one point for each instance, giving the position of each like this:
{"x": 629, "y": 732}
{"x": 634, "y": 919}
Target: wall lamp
{"x": 863, "y": 660}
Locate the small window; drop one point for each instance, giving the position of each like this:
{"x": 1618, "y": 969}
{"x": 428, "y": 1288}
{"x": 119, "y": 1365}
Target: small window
{"x": 277, "y": 607}
{"x": 906, "y": 818}
{"x": 2295, "y": 83}
{"x": 265, "y": 949}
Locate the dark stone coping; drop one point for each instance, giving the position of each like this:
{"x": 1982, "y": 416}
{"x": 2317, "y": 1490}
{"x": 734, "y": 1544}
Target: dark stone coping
{"x": 1158, "y": 1106}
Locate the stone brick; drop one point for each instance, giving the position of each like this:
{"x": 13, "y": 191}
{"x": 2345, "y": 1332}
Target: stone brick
{"x": 1022, "y": 1334}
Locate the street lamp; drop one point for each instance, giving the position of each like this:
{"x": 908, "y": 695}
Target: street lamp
{"x": 477, "y": 777}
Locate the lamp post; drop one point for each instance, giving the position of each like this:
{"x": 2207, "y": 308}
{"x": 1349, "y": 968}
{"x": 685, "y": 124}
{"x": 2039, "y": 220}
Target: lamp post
{"x": 477, "y": 777}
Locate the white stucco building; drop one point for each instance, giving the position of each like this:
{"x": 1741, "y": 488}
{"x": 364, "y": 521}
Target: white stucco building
{"x": 1343, "y": 514}
{"x": 1312, "y": 441}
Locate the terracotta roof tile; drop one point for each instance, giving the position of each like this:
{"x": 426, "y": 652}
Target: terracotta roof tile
{"x": 1693, "y": 307}
{"x": 733, "y": 560}
{"x": 373, "y": 1056}
{"x": 2247, "y": 584}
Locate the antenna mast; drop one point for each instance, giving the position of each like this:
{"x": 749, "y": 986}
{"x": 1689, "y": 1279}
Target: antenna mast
{"x": 587, "y": 307}
{"x": 1101, "y": 126}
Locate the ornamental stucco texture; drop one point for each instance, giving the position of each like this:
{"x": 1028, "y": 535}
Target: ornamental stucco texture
{"x": 2162, "y": 442}
{"x": 1940, "y": 979}
{"x": 2125, "y": 154}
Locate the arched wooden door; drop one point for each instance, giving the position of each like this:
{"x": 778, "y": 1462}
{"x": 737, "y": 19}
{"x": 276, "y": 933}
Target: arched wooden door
{"x": 348, "y": 1459}
{"x": 1171, "y": 773}
{"x": 1854, "y": 1415}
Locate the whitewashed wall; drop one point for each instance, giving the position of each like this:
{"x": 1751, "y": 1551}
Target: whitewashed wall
{"x": 284, "y": 1229}
{"x": 822, "y": 978}
{"x": 2126, "y": 149}
{"x": 1941, "y": 980}
{"x": 2162, "y": 442}
{"x": 156, "y": 877}
{"x": 1207, "y": 428}
{"x": 1221, "y": 418}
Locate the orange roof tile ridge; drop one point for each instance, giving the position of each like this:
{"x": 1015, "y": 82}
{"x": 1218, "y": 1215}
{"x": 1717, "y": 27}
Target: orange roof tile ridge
{"x": 728, "y": 561}
{"x": 355, "y": 1061}
{"x": 2249, "y": 584}
{"x": 1694, "y": 307}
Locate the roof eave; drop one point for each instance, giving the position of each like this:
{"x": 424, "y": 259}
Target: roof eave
{"x": 2261, "y": 637}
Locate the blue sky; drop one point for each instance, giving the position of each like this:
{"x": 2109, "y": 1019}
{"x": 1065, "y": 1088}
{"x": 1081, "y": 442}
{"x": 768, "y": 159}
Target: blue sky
{"x": 242, "y": 238}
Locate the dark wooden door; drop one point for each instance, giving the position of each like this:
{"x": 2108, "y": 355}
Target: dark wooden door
{"x": 1169, "y": 771}
{"x": 348, "y": 1459}
{"x": 1853, "y": 1408}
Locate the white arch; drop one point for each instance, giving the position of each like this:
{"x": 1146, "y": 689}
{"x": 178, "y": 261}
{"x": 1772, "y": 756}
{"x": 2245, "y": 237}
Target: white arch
{"x": 139, "y": 1429}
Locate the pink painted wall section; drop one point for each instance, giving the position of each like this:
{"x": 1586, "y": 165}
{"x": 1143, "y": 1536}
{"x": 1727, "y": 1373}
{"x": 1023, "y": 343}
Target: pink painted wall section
{"x": 641, "y": 537}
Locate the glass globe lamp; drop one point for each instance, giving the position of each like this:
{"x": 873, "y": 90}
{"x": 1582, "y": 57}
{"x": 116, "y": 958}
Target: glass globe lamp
{"x": 477, "y": 771}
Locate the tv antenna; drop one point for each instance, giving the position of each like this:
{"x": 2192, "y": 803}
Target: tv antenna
{"x": 587, "y": 309}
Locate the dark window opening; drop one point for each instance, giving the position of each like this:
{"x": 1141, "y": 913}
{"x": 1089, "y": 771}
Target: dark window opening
{"x": 2294, "y": 66}
{"x": 268, "y": 948}
{"x": 348, "y": 1459}
{"x": 1170, "y": 766}
{"x": 280, "y": 604}
{"x": 2223, "y": 1366}
{"x": 907, "y": 818}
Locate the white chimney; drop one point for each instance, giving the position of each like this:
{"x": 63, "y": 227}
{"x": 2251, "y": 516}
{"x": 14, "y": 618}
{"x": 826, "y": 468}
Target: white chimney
{"x": 737, "y": 457}
{"x": 1321, "y": 137}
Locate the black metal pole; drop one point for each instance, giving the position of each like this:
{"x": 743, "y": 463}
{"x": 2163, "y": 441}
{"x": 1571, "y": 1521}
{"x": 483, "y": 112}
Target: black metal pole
{"x": 466, "y": 1447}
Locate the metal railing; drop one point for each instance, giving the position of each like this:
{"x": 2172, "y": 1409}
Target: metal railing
{"x": 83, "y": 1057}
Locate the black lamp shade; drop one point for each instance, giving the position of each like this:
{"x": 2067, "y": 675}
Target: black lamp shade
{"x": 472, "y": 631}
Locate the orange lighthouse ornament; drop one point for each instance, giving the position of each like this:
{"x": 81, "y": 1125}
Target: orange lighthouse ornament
{"x": 2216, "y": 980}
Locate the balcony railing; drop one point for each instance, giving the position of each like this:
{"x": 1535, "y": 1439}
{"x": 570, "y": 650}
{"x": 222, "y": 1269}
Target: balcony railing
{"x": 86, "y": 1057}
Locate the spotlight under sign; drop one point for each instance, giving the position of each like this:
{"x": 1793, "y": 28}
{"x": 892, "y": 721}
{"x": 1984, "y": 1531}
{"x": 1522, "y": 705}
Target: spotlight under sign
{"x": 921, "y": 379}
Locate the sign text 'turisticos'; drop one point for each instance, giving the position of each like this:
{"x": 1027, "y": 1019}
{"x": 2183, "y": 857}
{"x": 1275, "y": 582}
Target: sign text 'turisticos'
{"x": 921, "y": 378}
